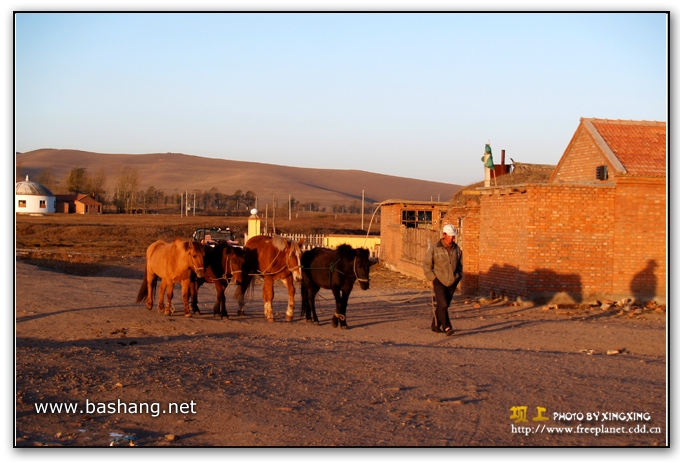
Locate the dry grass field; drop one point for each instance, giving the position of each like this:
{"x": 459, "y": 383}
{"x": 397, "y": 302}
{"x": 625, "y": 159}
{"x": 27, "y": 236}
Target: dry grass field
{"x": 89, "y": 239}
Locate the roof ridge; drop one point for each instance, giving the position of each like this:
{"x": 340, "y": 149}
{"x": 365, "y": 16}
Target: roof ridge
{"x": 621, "y": 121}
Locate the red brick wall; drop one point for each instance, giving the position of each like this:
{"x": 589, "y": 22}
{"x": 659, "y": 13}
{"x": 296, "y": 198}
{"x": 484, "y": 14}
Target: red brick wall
{"x": 640, "y": 237}
{"x": 561, "y": 242}
{"x": 581, "y": 159}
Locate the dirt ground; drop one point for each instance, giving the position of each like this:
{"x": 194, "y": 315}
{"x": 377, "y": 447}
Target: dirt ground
{"x": 141, "y": 378}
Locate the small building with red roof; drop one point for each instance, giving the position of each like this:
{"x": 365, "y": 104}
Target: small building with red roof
{"x": 78, "y": 204}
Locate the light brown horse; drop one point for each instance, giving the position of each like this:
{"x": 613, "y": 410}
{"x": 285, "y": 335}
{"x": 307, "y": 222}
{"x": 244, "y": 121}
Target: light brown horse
{"x": 273, "y": 258}
{"x": 172, "y": 263}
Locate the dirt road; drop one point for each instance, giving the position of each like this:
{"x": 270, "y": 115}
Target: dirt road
{"x": 139, "y": 377}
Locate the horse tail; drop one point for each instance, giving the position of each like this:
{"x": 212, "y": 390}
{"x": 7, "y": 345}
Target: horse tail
{"x": 248, "y": 270}
{"x": 305, "y": 295}
{"x": 144, "y": 290}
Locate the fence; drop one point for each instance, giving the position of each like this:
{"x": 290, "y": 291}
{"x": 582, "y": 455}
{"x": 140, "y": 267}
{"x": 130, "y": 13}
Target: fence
{"x": 372, "y": 243}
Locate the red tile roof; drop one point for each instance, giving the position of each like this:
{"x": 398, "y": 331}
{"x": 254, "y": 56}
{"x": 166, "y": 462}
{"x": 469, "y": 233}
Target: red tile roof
{"x": 639, "y": 145}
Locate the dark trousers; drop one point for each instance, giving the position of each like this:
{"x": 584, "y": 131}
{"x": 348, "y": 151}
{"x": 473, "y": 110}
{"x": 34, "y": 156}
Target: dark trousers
{"x": 442, "y": 295}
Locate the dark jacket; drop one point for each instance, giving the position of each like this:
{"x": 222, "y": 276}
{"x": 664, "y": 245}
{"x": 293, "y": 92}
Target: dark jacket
{"x": 439, "y": 263}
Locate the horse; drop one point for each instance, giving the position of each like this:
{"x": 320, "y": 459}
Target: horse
{"x": 337, "y": 270}
{"x": 273, "y": 258}
{"x": 223, "y": 262}
{"x": 172, "y": 262}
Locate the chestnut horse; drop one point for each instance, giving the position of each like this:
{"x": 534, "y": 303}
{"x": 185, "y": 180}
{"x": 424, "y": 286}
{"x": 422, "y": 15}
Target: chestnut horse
{"x": 171, "y": 262}
{"x": 273, "y": 258}
{"x": 337, "y": 270}
{"x": 223, "y": 263}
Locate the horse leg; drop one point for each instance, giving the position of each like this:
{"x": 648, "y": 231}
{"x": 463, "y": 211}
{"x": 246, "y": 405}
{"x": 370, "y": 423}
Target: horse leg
{"x": 221, "y": 303}
{"x": 169, "y": 308}
{"x": 312, "y": 301}
{"x": 150, "y": 289}
{"x": 185, "y": 297}
{"x": 337, "y": 315}
{"x": 343, "y": 309}
{"x": 268, "y": 296}
{"x": 241, "y": 301}
{"x": 161, "y": 295}
{"x": 290, "y": 311}
{"x": 193, "y": 290}
{"x": 308, "y": 292}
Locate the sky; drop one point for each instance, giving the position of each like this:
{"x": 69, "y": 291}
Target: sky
{"x": 410, "y": 94}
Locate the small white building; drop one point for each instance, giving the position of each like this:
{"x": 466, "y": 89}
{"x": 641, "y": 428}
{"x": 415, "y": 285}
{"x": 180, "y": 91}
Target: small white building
{"x": 33, "y": 198}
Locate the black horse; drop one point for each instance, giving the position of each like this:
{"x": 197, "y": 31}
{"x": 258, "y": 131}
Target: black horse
{"x": 337, "y": 270}
{"x": 223, "y": 263}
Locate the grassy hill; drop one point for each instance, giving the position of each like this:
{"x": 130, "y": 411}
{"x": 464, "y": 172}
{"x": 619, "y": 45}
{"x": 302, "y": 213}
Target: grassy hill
{"x": 176, "y": 173}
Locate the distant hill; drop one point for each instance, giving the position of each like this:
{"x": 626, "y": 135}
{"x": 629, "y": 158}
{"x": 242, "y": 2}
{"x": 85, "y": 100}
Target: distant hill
{"x": 175, "y": 173}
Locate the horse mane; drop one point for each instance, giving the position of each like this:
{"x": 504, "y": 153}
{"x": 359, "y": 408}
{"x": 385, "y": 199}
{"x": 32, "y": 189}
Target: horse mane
{"x": 279, "y": 242}
{"x": 345, "y": 252}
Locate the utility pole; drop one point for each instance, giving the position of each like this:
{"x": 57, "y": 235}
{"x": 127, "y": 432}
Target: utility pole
{"x": 274, "y": 213}
{"x": 362, "y": 209}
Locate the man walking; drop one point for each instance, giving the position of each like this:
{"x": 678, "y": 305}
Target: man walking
{"x": 443, "y": 266}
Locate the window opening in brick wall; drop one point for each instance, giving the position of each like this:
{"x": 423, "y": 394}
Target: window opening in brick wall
{"x": 22, "y": 203}
{"x": 412, "y": 218}
{"x": 43, "y": 204}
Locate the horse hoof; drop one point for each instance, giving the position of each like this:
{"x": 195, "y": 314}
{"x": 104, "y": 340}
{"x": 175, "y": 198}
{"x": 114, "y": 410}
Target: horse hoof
{"x": 289, "y": 319}
{"x": 188, "y": 315}
{"x": 344, "y": 327}
{"x": 241, "y": 312}
{"x": 270, "y": 320}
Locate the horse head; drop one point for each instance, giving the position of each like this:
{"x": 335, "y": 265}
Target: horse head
{"x": 233, "y": 264}
{"x": 362, "y": 267}
{"x": 195, "y": 253}
{"x": 293, "y": 259}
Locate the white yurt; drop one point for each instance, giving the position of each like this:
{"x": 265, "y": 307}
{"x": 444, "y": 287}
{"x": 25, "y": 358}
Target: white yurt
{"x": 33, "y": 198}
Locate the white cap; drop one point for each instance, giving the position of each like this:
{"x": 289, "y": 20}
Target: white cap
{"x": 449, "y": 230}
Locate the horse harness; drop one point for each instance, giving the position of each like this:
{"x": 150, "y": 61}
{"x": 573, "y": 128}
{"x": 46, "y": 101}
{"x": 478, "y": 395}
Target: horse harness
{"x": 231, "y": 271}
{"x": 333, "y": 268}
{"x": 264, "y": 273}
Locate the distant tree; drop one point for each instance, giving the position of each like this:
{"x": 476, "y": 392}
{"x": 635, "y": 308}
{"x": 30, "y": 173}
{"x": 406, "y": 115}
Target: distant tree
{"x": 20, "y": 176}
{"x": 96, "y": 184}
{"x": 76, "y": 180}
{"x": 47, "y": 179}
{"x": 126, "y": 186}
{"x": 236, "y": 200}
{"x": 249, "y": 199}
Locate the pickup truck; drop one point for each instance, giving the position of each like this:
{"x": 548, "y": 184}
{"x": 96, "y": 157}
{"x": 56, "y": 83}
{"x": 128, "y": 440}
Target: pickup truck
{"x": 213, "y": 235}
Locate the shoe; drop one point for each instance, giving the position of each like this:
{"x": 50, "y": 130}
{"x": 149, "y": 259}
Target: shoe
{"x": 449, "y": 332}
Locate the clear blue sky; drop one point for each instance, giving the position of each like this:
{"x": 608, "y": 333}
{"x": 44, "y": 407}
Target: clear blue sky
{"x": 409, "y": 94}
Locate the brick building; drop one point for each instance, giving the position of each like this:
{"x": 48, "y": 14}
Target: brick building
{"x": 78, "y": 204}
{"x": 595, "y": 229}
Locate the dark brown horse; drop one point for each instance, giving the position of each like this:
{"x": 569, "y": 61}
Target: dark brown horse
{"x": 172, "y": 263}
{"x": 223, "y": 263}
{"x": 337, "y": 270}
{"x": 273, "y": 258}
